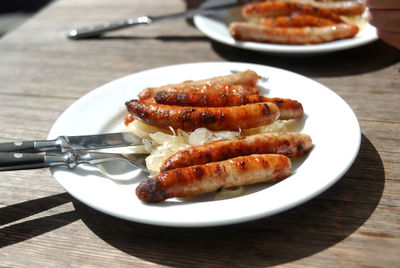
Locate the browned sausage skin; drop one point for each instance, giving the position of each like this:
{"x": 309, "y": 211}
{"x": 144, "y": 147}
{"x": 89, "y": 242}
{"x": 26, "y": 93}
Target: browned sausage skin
{"x": 279, "y": 8}
{"x": 205, "y": 89}
{"x": 245, "y": 31}
{"x": 289, "y": 109}
{"x": 295, "y": 21}
{"x": 213, "y": 118}
{"x": 342, "y": 7}
{"x": 246, "y": 81}
{"x": 289, "y": 144}
{"x": 210, "y": 177}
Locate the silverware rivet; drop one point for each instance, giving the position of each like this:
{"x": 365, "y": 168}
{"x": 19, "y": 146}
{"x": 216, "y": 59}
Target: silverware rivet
{"x": 18, "y": 155}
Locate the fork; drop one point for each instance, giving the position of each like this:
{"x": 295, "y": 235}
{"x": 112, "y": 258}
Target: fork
{"x": 18, "y": 160}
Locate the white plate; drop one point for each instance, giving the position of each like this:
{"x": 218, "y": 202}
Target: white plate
{"x": 216, "y": 27}
{"x": 329, "y": 121}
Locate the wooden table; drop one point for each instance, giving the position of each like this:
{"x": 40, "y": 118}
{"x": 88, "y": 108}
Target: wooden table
{"x": 356, "y": 223}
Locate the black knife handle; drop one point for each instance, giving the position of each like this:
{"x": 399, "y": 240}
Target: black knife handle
{"x": 18, "y": 146}
{"x": 35, "y": 146}
{"x": 17, "y": 161}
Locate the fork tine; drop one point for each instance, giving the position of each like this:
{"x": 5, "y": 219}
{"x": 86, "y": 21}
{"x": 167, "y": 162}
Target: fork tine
{"x": 137, "y": 159}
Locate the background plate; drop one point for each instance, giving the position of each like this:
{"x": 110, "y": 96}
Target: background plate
{"x": 216, "y": 27}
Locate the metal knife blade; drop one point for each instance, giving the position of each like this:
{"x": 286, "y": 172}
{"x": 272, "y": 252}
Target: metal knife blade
{"x": 73, "y": 143}
{"x": 112, "y": 26}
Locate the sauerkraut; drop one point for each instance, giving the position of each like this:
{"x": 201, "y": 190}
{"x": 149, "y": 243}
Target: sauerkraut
{"x": 162, "y": 143}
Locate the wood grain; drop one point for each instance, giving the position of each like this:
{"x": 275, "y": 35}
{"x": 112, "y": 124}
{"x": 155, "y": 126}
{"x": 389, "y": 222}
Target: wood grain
{"x": 353, "y": 224}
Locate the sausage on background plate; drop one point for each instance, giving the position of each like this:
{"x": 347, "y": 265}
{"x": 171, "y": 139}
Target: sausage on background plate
{"x": 266, "y": 9}
{"x": 246, "y": 31}
{"x": 295, "y": 21}
{"x": 341, "y": 7}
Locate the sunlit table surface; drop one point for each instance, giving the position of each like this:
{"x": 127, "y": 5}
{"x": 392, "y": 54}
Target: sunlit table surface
{"x": 355, "y": 223}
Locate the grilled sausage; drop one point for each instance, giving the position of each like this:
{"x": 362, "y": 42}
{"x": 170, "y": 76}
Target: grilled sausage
{"x": 289, "y": 144}
{"x": 256, "y": 11}
{"x": 342, "y": 7}
{"x": 149, "y": 93}
{"x": 295, "y": 21}
{"x": 291, "y": 35}
{"x": 210, "y": 177}
{"x": 246, "y": 81}
{"x": 213, "y": 118}
{"x": 289, "y": 109}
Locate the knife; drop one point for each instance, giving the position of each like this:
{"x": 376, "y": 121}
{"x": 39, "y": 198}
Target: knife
{"x": 112, "y": 26}
{"x": 65, "y": 144}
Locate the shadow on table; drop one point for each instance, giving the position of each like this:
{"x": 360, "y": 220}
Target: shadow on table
{"x": 17, "y": 232}
{"x": 163, "y": 38}
{"x": 288, "y": 236}
{"x": 15, "y": 12}
{"x": 364, "y": 59}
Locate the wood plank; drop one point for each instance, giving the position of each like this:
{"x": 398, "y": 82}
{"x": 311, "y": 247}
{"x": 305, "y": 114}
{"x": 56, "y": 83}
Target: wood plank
{"x": 355, "y": 223}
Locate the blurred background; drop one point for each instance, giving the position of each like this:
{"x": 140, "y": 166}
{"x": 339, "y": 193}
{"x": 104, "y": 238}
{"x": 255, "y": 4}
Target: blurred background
{"x": 15, "y": 12}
